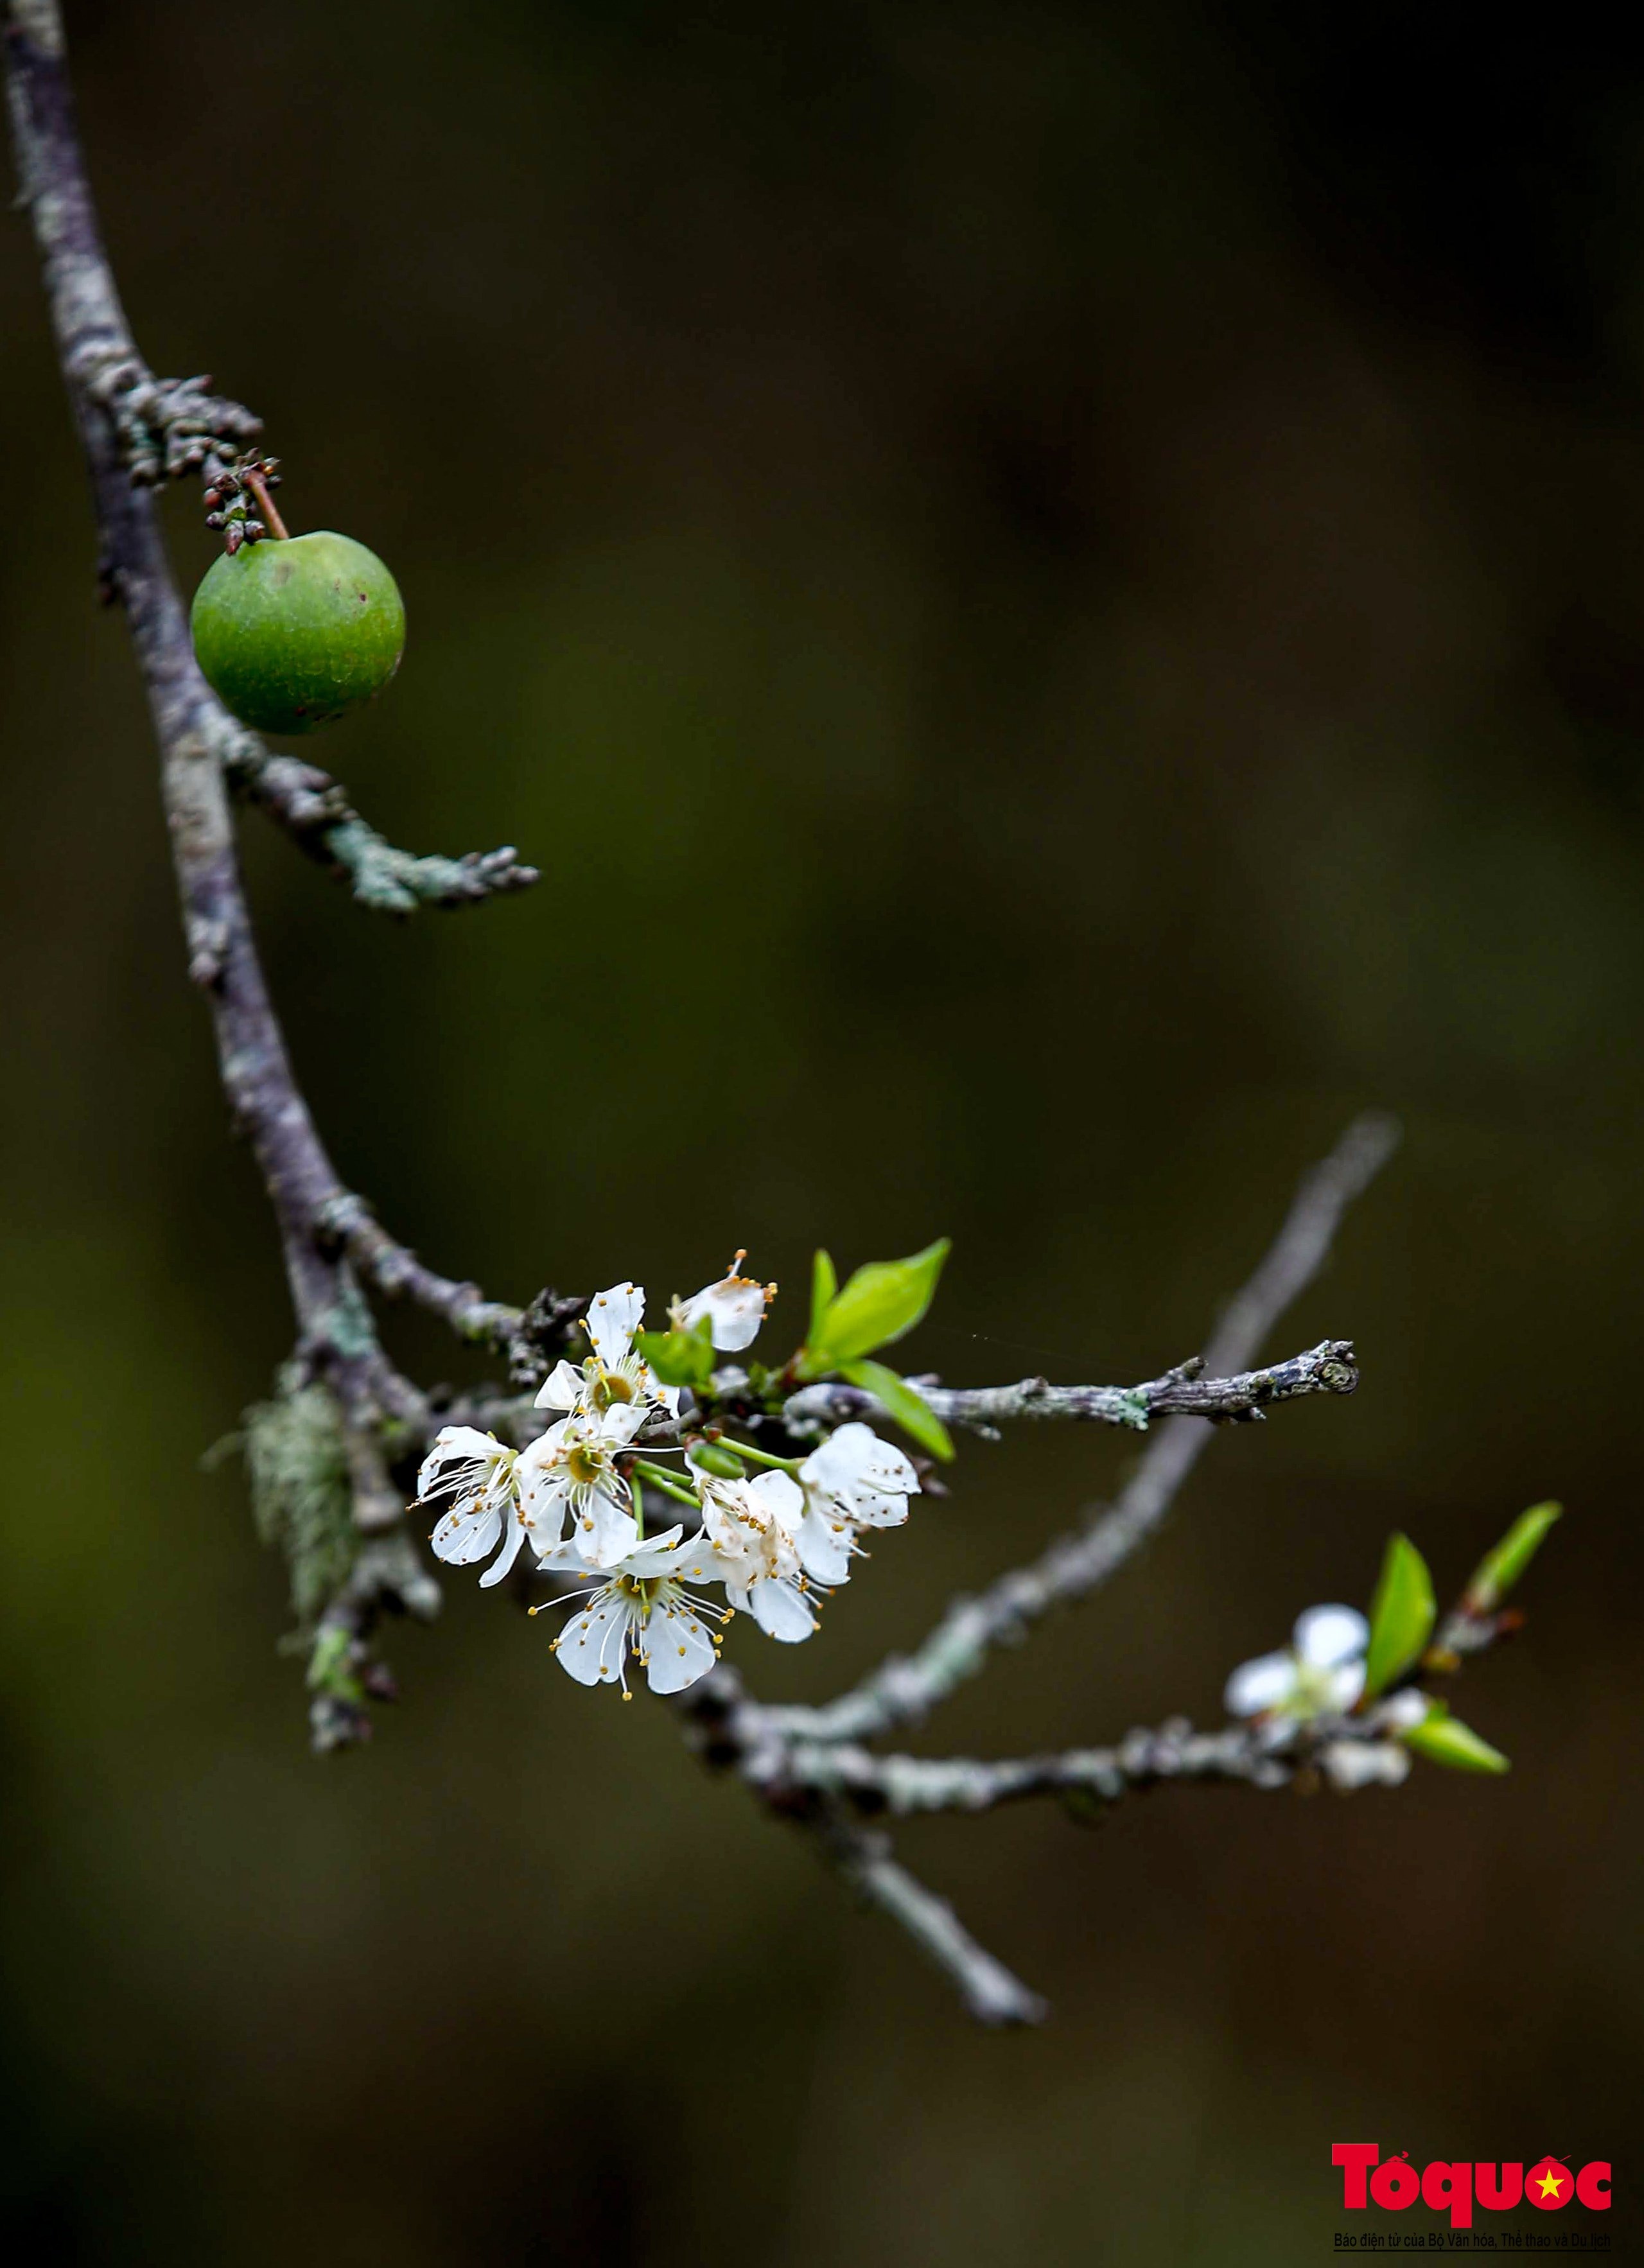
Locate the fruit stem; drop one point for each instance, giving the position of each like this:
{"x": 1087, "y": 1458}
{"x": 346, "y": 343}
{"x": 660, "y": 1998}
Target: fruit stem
{"x": 267, "y": 506}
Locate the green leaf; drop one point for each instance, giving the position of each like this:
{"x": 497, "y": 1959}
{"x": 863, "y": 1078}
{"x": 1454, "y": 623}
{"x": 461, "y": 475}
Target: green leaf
{"x": 882, "y": 1303}
{"x": 680, "y": 1358}
{"x": 1402, "y": 1615}
{"x": 910, "y": 1408}
{"x": 824, "y": 1284}
{"x": 1498, "y": 1571}
{"x": 1444, "y": 1739}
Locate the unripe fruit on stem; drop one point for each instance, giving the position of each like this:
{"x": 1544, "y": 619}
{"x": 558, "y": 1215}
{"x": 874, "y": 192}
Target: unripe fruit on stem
{"x": 294, "y": 634}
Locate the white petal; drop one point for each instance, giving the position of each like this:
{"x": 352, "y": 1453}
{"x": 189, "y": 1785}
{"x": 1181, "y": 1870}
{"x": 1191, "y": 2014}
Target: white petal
{"x": 544, "y": 1500}
{"x": 1344, "y": 1685}
{"x": 678, "y": 1650}
{"x": 782, "y": 1610}
{"x": 870, "y": 1479}
{"x": 465, "y": 1534}
{"x": 869, "y": 1509}
{"x": 1326, "y": 1637}
{"x": 455, "y": 1445}
{"x": 606, "y": 1532}
{"x": 1267, "y": 1682}
{"x": 779, "y": 1497}
{"x": 697, "y": 1562}
{"x": 548, "y": 1447}
{"x": 562, "y": 1388}
{"x": 735, "y": 1308}
{"x": 591, "y": 1646}
{"x": 613, "y": 1318}
{"x": 855, "y": 1453}
{"x": 619, "y": 1423}
{"x": 823, "y": 1544}
{"x": 1402, "y": 1711}
{"x": 505, "y": 1557}
{"x": 562, "y": 1559}
{"x": 658, "y": 1555}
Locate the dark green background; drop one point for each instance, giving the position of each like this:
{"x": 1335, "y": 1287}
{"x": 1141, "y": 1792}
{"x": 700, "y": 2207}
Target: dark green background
{"x": 1057, "y": 592}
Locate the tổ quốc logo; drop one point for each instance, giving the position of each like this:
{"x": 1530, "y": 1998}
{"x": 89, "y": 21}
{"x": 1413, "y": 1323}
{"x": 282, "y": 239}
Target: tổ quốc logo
{"x": 1370, "y": 2182}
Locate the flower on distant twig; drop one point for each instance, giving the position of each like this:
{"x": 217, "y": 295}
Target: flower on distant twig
{"x": 1382, "y": 1761}
{"x": 1350, "y": 1764}
{"x": 1320, "y": 1674}
{"x": 479, "y": 1474}
{"x": 641, "y": 1608}
{"x": 851, "y": 1480}
{"x": 752, "y": 1526}
{"x": 735, "y": 1307}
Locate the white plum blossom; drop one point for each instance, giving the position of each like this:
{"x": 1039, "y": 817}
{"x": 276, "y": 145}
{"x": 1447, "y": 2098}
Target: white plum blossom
{"x": 479, "y": 1475}
{"x": 570, "y": 1473}
{"x": 1320, "y": 1674}
{"x": 853, "y": 1480}
{"x": 735, "y": 1307}
{"x": 614, "y": 1374}
{"x": 642, "y": 1608}
{"x": 752, "y": 1526}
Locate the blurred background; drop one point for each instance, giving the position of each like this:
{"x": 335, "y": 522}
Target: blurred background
{"x": 1057, "y": 592}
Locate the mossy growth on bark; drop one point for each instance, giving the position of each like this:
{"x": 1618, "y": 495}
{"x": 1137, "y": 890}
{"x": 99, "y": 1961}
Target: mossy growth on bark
{"x": 297, "y": 1459}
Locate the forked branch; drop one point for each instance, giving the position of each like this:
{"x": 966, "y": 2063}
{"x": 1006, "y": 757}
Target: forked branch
{"x": 812, "y": 1766}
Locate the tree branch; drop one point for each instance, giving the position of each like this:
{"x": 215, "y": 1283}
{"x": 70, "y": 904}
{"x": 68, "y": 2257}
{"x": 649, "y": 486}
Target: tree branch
{"x": 807, "y": 1765}
{"x": 904, "y": 1690}
{"x": 1327, "y": 1368}
{"x": 344, "y": 1221}
{"x": 134, "y": 429}
{"x": 153, "y": 429}
{"x": 904, "y": 1785}
{"x": 168, "y": 427}
{"x": 336, "y": 1340}
{"x": 316, "y": 814}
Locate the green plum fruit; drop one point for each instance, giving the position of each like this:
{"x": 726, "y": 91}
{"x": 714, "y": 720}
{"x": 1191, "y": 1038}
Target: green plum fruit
{"x": 293, "y": 633}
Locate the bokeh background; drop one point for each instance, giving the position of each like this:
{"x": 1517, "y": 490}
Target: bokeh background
{"x": 1058, "y": 591}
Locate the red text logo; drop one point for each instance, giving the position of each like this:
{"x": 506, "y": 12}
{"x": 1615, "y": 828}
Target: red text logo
{"x": 1455, "y": 2185}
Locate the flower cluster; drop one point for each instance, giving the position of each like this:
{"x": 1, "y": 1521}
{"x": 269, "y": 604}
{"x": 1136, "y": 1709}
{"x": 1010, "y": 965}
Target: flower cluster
{"x": 770, "y": 1542}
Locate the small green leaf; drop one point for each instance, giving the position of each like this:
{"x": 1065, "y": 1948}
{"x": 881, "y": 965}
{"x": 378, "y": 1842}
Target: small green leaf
{"x": 680, "y": 1358}
{"x": 824, "y": 1284}
{"x": 1498, "y": 1571}
{"x": 716, "y": 1458}
{"x": 909, "y": 1408}
{"x": 1444, "y": 1739}
{"x": 1402, "y": 1615}
{"x": 882, "y": 1303}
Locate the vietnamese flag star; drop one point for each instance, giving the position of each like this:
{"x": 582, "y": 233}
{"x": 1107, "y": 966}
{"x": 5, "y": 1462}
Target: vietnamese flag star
{"x": 1550, "y": 2184}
